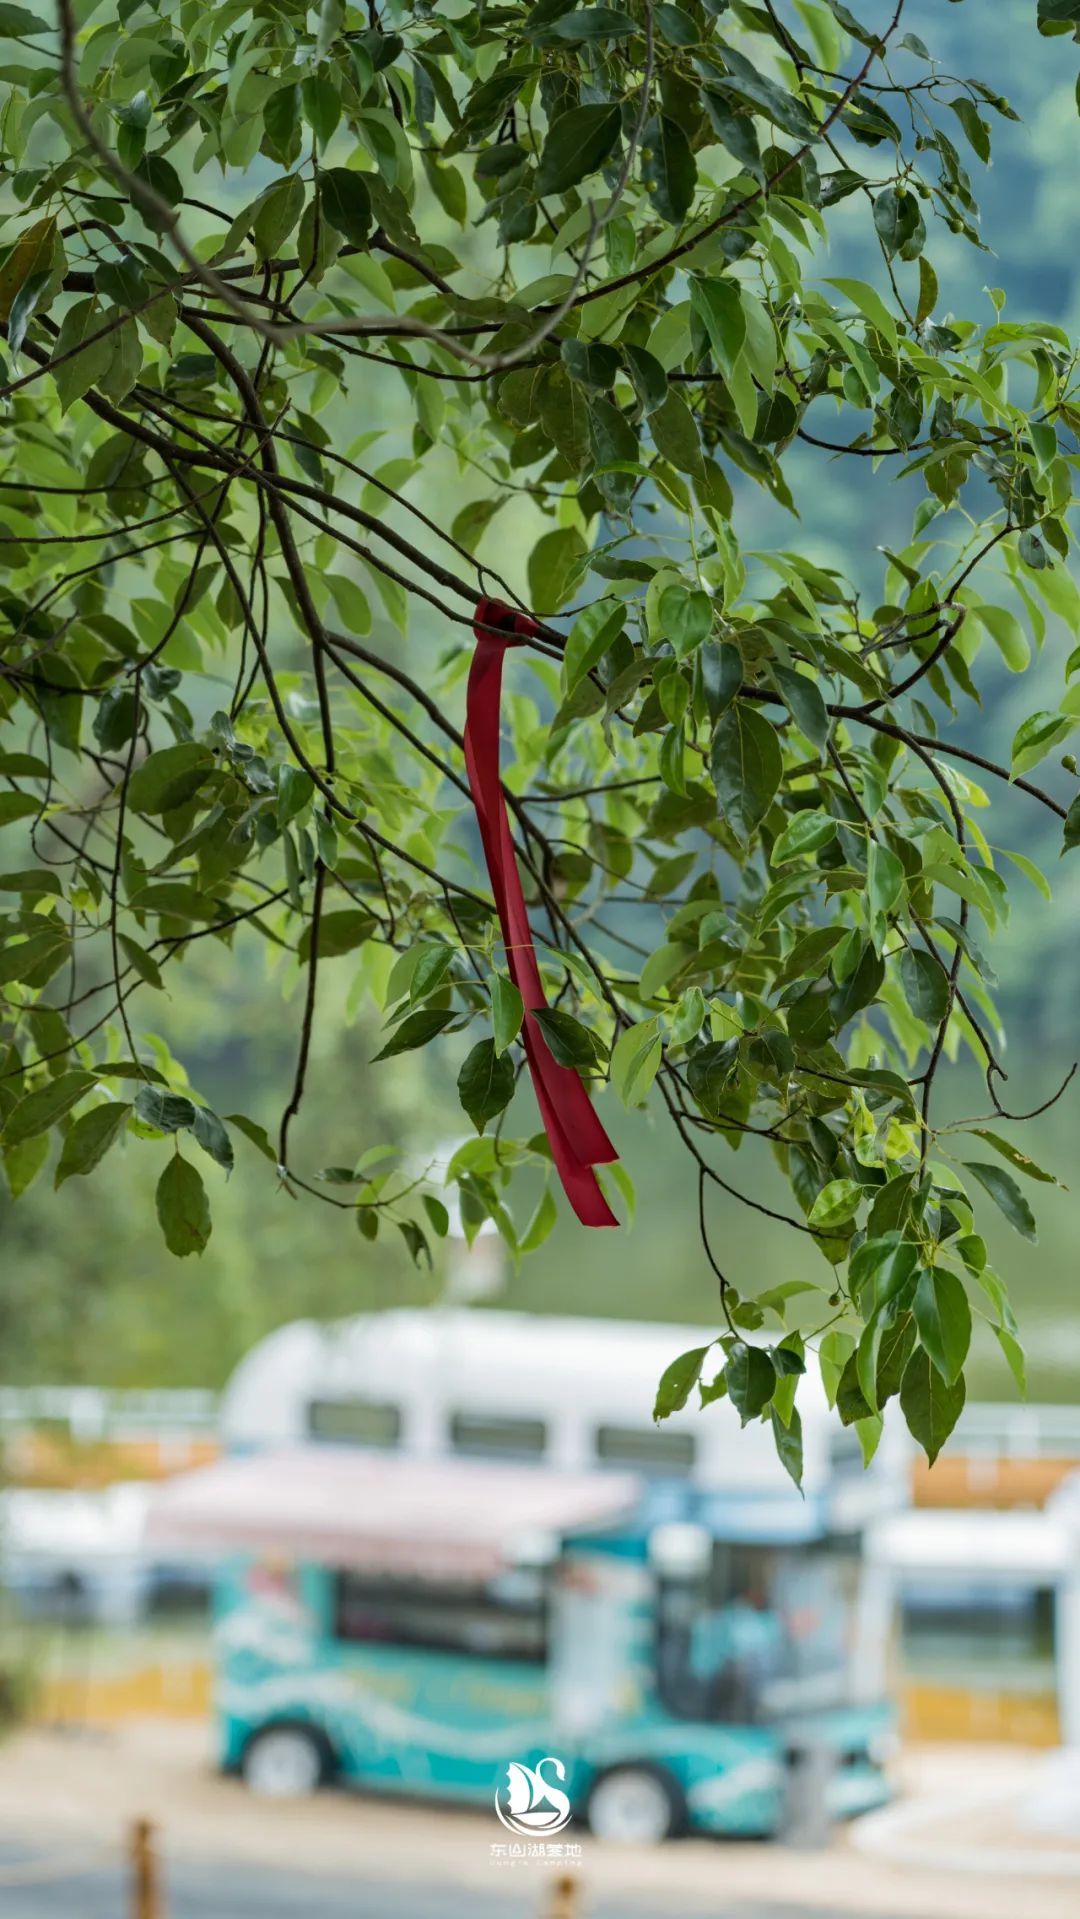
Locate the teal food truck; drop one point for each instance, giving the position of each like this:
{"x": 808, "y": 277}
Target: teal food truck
{"x": 648, "y": 1655}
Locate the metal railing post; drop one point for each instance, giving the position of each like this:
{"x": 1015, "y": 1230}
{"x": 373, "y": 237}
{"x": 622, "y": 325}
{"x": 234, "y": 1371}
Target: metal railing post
{"x": 146, "y": 1900}
{"x": 565, "y": 1897}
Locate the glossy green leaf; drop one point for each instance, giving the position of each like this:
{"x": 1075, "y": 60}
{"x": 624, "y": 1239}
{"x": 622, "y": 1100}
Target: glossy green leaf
{"x": 930, "y": 1405}
{"x": 485, "y": 1083}
{"x": 1006, "y": 1194}
{"x": 578, "y": 143}
{"x": 747, "y": 767}
{"x": 183, "y": 1209}
{"x": 678, "y": 1380}
{"x": 943, "y": 1317}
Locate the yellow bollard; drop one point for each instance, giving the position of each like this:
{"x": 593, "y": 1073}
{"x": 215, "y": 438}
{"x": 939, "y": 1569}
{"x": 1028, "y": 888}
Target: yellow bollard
{"x": 565, "y": 1893}
{"x": 145, "y": 1878}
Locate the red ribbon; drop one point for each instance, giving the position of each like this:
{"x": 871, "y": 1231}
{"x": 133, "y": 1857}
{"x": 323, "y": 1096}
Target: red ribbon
{"x": 578, "y": 1141}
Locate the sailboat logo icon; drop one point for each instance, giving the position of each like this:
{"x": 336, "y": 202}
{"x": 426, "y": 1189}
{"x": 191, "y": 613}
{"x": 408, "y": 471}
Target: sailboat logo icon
{"x": 529, "y": 1804}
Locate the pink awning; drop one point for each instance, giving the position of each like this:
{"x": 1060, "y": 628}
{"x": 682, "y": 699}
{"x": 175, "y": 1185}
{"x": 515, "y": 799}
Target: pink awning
{"x": 449, "y": 1519}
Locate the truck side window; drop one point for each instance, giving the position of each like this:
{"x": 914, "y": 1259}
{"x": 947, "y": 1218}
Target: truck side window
{"x": 504, "y": 1619}
{"x": 646, "y": 1448}
{"x": 497, "y": 1436}
{"x": 355, "y": 1422}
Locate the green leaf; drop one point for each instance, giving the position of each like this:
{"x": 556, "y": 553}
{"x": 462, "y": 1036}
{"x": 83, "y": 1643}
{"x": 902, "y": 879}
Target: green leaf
{"x": 577, "y": 144}
{"x": 675, "y": 435}
{"x": 635, "y": 1061}
{"x": 805, "y": 704}
{"x": 341, "y": 931}
{"x": 166, "y": 1112}
{"x": 1015, "y": 1157}
{"x": 485, "y": 1083}
{"x": 541, "y": 1224}
{"x": 593, "y": 632}
{"x": 210, "y": 1134}
{"x": 869, "y": 1433}
{"x": 39, "y": 1110}
{"x": 686, "y": 618}
{"x": 553, "y": 568}
{"x": 20, "y": 23}
{"x": 351, "y": 604}
{"x": 807, "y": 833}
{"x": 678, "y": 1380}
{"x": 83, "y": 358}
{"x": 870, "y": 305}
{"x": 416, "y": 1029}
{"x": 668, "y": 168}
{"x": 720, "y": 310}
{"x": 507, "y": 1011}
{"x": 1060, "y": 16}
{"x": 277, "y": 214}
{"x": 594, "y": 365}
{"x": 34, "y": 880}
{"x": 27, "y": 264}
{"x": 943, "y": 1317}
{"x": 322, "y": 106}
{"x": 89, "y": 1139}
{"x": 751, "y": 1380}
{"x": 183, "y": 1209}
{"x": 928, "y": 291}
{"x": 295, "y": 789}
{"x": 592, "y": 23}
{"x": 884, "y": 879}
{"x": 709, "y": 1073}
{"x": 1037, "y": 736}
{"x": 437, "y": 1214}
{"x": 837, "y": 1202}
{"x": 1030, "y": 871}
{"x": 568, "y": 1040}
{"x": 925, "y": 983}
{"x": 789, "y": 1443}
{"x": 346, "y": 202}
{"x": 1006, "y": 632}
{"x": 428, "y": 968}
{"x": 28, "y": 959}
{"x": 23, "y": 1163}
{"x": 899, "y": 222}
{"x": 660, "y": 967}
{"x": 1014, "y": 1355}
{"x": 649, "y": 377}
{"x": 614, "y": 443}
{"x": 736, "y": 131}
{"x": 255, "y": 1133}
{"x": 747, "y": 767}
{"x": 880, "y": 1269}
{"x": 169, "y": 777}
{"x": 746, "y": 82}
{"x": 930, "y": 1405}
{"x": 17, "y": 806}
{"x": 1006, "y": 1194}
{"x": 677, "y": 26}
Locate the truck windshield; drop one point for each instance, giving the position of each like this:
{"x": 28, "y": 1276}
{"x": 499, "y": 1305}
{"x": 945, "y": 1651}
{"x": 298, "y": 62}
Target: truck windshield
{"x": 766, "y": 1632}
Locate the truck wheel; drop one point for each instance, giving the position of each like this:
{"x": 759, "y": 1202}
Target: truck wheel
{"x": 284, "y": 1762}
{"x": 635, "y": 1805}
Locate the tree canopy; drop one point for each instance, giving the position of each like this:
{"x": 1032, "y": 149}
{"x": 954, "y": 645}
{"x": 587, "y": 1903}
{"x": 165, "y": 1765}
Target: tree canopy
{"x": 586, "y": 248}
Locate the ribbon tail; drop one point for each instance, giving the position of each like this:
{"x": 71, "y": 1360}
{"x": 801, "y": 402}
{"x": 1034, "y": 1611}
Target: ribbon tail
{"x": 577, "y": 1138}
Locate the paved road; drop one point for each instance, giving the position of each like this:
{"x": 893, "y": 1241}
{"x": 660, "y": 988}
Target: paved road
{"x": 214, "y": 1891}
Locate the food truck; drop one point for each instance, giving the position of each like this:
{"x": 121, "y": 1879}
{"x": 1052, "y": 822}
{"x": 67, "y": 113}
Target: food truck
{"x": 652, "y": 1655}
